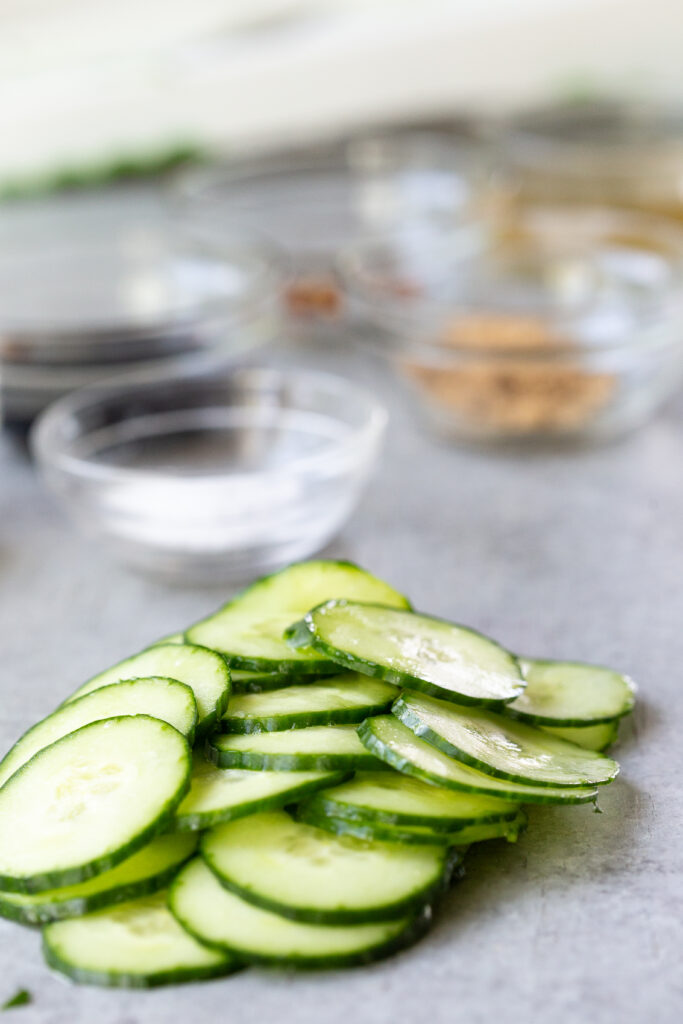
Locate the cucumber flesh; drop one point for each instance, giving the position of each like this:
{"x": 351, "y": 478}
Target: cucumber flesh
{"x": 248, "y": 631}
{"x": 508, "y": 830}
{"x": 375, "y": 831}
{"x": 395, "y": 799}
{"x": 223, "y": 794}
{"x": 147, "y": 871}
{"x": 340, "y": 699}
{"x": 134, "y": 945}
{"x": 372, "y": 831}
{"x": 78, "y": 807}
{"x": 224, "y": 921}
{"x": 590, "y": 737}
{"x": 411, "y": 650}
{"x": 502, "y": 747}
{"x": 564, "y": 693}
{"x": 205, "y": 672}
{"x": 318, "y": 748}
{"x": 401, "y": 749}
{"x": 244, "y": 681}
{"x": 166, "y": 699}
{"x": 306, "y": 874}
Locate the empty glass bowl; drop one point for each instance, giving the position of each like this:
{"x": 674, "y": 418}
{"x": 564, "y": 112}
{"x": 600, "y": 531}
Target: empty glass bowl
{"x": 569, "y": 327}
{"x": 211, "y": 476}
{"x": 313, "y": 203}
{"x": 92, "y": 287}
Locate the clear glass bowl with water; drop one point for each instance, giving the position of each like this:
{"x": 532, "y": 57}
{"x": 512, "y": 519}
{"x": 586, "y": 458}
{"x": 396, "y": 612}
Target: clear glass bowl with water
{"x": 212, "y": 476}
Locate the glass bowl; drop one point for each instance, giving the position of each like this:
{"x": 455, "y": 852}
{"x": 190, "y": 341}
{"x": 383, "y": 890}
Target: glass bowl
{"x": 604, "y": 152}
{"x": 93, "y": 289}
{"x": 569, "y": 327}
{"x": 211, "y": 476}
{"x": 310, "y": 204}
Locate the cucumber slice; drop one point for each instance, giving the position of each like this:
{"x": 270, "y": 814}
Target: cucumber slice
{"x": 147, "y": 871}
{"x": 244, "y": 681}
{"x": 394, "y": 799}
{"x": 306, "y": 874}
{"x": 248, "y": 631}
{"x": 412, "y": 650}
{"x": 205, "y": 672}
{"x": 397, "y": 746}
{"x": 319, "y": 748}
{"x": 502, "y": 747}
{"x": 376, "y": 831}
{"x": 222, "y": 794}
{"x": 372, "y": 831}
{"x": 339, "y": 699}
{"x": 166, "y": 699}
{"x": 508, "y": 830}
{"x": 135, "y": 945}
{"x": 224, "y": 921}
{"x": 565, "y": 693}
{"x": 590, "y": 737}
{"x": 88, "y": 801}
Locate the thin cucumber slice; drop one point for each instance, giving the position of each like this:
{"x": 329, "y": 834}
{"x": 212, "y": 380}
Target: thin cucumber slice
{"x": 394, "y": 799}
{"x": 340, "y": 699}
{"x": 166, "y": 699}
{"x": 224, "y": 921}
{"x": 416, "y": 651}
{"x": 565, "y": 693}
{"x": 319, "y": 748}
{"x": 502, "y": 747}
{"x": 248, "y": 631}
{"x": 376, "y": 831}
{"x": 306, "y": 874}
{"x": 88, "y": 801}
{"x": 590, "y": 737}
{"x": 372, "y": 831}
{"x": 205, "y": 672}
{"x": 392, "y": 742}
{"x": 244, "y": 681}
{"x": 147, "y": 871}
{"x": 134, "y": 945}
{"x": 223, "y": 794}
{"x": 508, "y": 830}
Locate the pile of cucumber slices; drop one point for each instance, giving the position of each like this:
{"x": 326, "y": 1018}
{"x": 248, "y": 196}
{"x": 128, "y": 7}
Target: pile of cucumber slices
{"x": 294, "y": 781}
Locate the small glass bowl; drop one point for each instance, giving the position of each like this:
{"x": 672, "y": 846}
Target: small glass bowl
{"x": 211, "y": 476}
{"x": 626, "y": 154}
{"x": 89, "y": 292}
{"x": 311, "y": 204}
{"x": 570, "y": 327}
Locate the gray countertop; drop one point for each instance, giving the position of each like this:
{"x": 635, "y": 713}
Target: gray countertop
{"x": 572, "y": 554}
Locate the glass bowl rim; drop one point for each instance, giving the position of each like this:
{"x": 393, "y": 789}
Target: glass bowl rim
{"x": 51, "y": 450}
{"x": 533, "y": 138}
{"x": 397, "y": 327}
{"x": 191, "y": 187}
{"x": 265, "y": 264}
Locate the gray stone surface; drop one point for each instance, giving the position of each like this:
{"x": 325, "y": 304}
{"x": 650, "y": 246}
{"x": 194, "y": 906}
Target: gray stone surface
{"x": 574, "y": 554}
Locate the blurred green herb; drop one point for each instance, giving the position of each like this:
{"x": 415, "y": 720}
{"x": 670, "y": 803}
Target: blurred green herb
{"x": 111, "y": 172}
{"x": 22, "y": 998}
